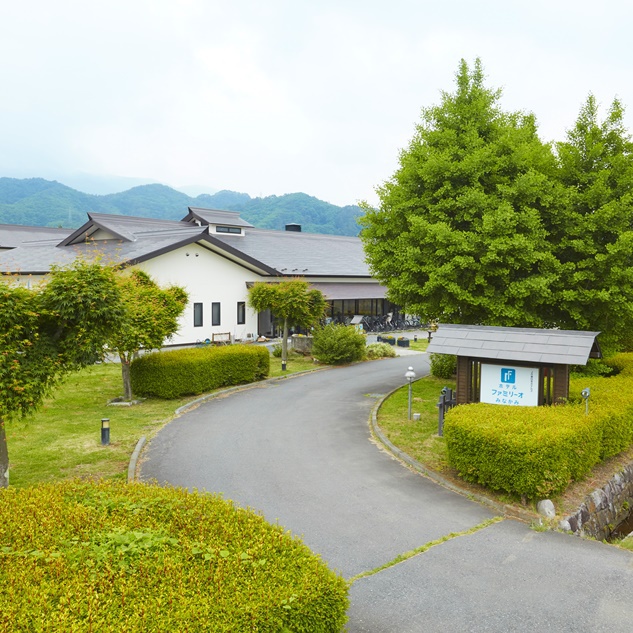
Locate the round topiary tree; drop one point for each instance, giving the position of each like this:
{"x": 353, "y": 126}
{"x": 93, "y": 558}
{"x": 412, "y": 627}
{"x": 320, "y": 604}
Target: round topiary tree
{"x": 338, "y": 344}
{"x": 82, "y": 556}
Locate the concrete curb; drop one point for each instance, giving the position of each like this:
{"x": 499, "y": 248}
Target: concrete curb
{"x": 504, "y": 509}
{"x": 131, "y": 469}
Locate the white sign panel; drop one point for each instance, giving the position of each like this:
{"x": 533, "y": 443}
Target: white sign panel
{"x": 504, "y": 384}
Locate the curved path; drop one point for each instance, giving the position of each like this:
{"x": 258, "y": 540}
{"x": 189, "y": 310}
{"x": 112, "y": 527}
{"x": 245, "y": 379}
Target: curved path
{"x": 299, "y": 451}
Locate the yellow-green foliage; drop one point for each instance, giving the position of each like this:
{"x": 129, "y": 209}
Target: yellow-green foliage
{"x": 532, "y": 451}
{"x": 537, "y": 451}
{"x": 198, "y": 370}
{"x": 611, "y": 404}
{"x": 104, "y": 557}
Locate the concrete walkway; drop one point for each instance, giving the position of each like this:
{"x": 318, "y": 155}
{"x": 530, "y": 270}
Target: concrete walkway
{"x": 299, "y": 451}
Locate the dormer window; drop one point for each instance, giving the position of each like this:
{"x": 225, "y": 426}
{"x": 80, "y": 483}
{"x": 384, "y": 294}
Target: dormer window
{"x": 228, "y": 229}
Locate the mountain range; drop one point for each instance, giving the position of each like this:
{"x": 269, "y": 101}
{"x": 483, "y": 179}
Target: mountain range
{"x": 40, "y": 202}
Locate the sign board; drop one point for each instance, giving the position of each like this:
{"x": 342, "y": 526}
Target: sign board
{"x": 505, "y": 384}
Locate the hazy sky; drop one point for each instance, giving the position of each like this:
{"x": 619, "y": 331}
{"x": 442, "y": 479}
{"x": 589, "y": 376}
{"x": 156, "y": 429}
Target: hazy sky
{"x": 277, "y": 96}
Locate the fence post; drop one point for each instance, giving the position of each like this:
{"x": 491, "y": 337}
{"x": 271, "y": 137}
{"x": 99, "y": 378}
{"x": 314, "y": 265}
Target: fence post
{"x": 440, "y": 406}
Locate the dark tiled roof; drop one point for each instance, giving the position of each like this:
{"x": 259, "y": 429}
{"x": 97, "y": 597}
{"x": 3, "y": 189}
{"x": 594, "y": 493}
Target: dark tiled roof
{"x": 285, "y": 253}
{"x": 565, "y": 347}
{"x": 302, "y": 254}
{"x": 37, "y": 258}
{"x": 12, "y": 235}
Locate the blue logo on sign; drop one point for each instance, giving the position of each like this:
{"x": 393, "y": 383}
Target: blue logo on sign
{"x": 508, "y": 376}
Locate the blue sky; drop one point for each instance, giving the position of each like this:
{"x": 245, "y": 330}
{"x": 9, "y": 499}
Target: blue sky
{"x": 280, "y": 96}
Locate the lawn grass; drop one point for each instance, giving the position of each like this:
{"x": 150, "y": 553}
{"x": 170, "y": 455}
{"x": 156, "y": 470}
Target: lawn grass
{"x": 63, "y": 439}
{"x": 296, "y": 363}
{"x": 417, "y": 439}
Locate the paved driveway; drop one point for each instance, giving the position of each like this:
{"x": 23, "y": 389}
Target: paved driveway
{"x": 299, "y": 451}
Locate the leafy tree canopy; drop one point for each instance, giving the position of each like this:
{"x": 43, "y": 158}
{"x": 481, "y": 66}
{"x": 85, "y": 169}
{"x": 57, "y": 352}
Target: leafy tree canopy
{"x": 459, "y": 235}
{"x": 49, "y": 331}
{"x": 483, "y": 223}
{"x": 150, "y": 317}
{"x": 594, "y": 242}
{"x": 291, "y": 301}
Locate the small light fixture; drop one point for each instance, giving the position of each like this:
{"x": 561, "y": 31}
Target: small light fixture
{"x": 105, "y": 431}
{"x": 410, "y": 375}
{"x": 187, "y": 254}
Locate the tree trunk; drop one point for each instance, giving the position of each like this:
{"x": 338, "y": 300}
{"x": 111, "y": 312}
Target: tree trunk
{"x": 4, "y": 457}
{"x": 125, "y": 373}
{"x": 284, "y": 345}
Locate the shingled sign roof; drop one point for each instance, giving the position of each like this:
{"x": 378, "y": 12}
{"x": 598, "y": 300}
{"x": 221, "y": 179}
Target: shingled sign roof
{"x": 564, "y": 347}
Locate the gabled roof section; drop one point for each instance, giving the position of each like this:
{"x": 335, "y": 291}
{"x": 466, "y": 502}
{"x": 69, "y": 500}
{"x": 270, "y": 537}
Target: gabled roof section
{"x": 121, "y": 227}
{"x": 36, "y": 258}
{"x": 12, "y": 235}
{"x": 564, "y": 347}
{"x": 214, "y": 216}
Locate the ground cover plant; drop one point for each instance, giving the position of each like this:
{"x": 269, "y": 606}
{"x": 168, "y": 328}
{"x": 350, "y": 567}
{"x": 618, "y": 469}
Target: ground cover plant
{"x": 84, "y": 556}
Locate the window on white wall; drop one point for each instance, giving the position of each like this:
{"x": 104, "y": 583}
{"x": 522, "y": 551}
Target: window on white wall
{"x": 241, "y": 312}
{"x": 197, "y": 315}
{"x": 215, "y": 313}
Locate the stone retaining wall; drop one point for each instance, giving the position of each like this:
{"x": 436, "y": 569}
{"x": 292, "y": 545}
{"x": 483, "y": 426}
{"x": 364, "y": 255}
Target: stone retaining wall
{"x": 604, "y": 509}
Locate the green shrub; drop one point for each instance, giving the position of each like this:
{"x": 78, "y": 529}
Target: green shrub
{"x": 112, "y": 557}
{"x": 594, "y": 367}
{"x": 443, "y": 365}
{"x": 338, "y": 344}
{"x": 380, "y": 350}
{"x": 277, "y": 350}
{"x": 537, "y": 451}
{"x": 198, "y": 370}
{"x": 532, "y": 451}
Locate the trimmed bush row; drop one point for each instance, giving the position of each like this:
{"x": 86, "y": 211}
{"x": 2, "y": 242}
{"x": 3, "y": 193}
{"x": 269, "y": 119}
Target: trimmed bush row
{"x": 110, "y": 557}
{"x": 199, "y": 370}
{"x": 537, "y": 451}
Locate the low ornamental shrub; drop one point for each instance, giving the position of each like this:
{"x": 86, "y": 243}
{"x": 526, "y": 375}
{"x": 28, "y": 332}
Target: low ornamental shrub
{"x": 531, "y": 451}
{"x": 380, "y": 350}
{"x": 111, "y": 557}
{"x": 443, "y": 365}
{"x": 338, "y": 344}
{"x": 198, "y": 370}
{"x": 537, "y": 451}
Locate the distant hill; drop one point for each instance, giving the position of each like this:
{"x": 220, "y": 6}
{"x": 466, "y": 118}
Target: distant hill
{"x": 39, "y": 202}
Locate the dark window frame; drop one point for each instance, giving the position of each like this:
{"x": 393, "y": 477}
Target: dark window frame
{"x": 241, "y": 312}
{"x": 216, "y": 313}
{"x": 198, "y": 314}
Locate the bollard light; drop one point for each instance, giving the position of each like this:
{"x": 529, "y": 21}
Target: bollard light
{"x": 410, "y": 375}
{"x": 585, "y": 393}
{"x": 105, "y": 431}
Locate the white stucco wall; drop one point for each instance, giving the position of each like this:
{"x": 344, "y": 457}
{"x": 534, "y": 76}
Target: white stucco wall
{"x": 207, "y": 277}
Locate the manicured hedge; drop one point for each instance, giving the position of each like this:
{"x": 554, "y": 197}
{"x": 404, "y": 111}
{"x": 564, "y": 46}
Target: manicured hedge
{"x": 532, "y": 451}
{"x": 611, "y": 403}
{"x": 112, "y": 557}
{"x": 537, "y": 451}
{"x": 198, "y": 370}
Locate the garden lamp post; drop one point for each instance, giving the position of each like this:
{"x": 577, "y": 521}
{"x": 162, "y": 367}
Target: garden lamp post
{"x": 410, "y": 375}
{"x": 105, "y": 431}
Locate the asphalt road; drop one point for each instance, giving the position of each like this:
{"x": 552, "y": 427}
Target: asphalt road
{"x": 299, "y": 451}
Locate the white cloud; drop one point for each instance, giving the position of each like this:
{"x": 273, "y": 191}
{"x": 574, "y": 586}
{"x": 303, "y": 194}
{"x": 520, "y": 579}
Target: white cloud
{"x": 284, "y": 95}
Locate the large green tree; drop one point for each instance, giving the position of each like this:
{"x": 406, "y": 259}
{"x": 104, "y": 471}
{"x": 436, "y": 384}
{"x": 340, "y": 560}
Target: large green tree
{"x": 150, "y": 318}
{"x": 594, "y": 237}
{"x": 48, "y": 332}
{"x": 460, "y": 233}
{"x": 292, "y": 301}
